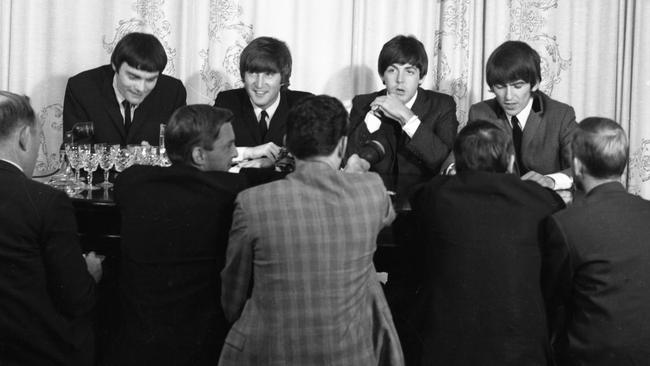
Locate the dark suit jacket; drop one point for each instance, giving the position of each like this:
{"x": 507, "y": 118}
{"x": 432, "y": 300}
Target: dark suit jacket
{"x": 421, "y": 155}
{"x": 482, "y": 300}
{"x": 596, "y": 267}
{"x": 46, "y": 293}
{"x": 175, "y": 224}
{"x": 245, "y": 124}
{"x": 89, "y": 96}
{"x": 546, "y": 141}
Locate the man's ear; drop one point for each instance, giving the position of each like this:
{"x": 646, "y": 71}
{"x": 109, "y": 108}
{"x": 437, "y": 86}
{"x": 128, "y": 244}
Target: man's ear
{"x": 535, "y": 87}
{"x": 511, "y": 164}
{"x": 24, "y": 138}
{"x": 197, "y": 156}
{"x": 577, "y": 167}
{"x": 343, "y": 144}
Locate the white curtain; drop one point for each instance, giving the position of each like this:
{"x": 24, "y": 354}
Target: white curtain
{"x": 594, "y": 51}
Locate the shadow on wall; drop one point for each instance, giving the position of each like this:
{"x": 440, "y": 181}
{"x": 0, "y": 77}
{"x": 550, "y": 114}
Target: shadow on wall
{"x": 351, "y": 81}
{"x": 47, "y": 101}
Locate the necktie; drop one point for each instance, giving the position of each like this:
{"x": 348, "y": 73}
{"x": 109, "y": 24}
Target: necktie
{"x": 517, "y": 134}
{"x": 127, "y": 115}
{"x": 262, "y": 126}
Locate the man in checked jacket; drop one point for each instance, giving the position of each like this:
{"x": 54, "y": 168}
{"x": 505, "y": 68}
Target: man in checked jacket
{"x": 306, "y": 244}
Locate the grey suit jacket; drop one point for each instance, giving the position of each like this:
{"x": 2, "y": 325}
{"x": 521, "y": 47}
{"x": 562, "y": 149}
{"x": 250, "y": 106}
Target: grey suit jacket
{"x": 307, "y": 243}
{"x": 596, "y": 266}
{"x": 545, "y": 146}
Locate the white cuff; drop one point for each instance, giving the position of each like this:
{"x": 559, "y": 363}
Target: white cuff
{"x": 562, "y": 181}
{"x": 372, "y": 122}
{"x": 411, "y": 126}
{"x": 241, "y": 151}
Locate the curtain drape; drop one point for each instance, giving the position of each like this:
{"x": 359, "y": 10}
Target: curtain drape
{"x": 593, "y": 51}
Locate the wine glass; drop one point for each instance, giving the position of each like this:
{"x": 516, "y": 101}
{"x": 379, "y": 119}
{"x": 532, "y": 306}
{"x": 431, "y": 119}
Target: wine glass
{"x": 106, "y": 162}
{"x": 84, "y": 153}
{"x": 74, "y": 159}
{"x": 90, "y": 163}
{"x": 123, "y": 160}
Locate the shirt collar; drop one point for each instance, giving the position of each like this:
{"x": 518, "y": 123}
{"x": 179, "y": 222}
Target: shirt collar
{"x": 14, "y": 164}
{"x": 522, "y": 116}
{"x": 410, "y": 103}
{"x": 270, "y": 110}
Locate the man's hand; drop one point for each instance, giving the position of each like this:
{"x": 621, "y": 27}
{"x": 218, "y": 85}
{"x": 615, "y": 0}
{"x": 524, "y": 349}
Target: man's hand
{"x": 542, "y": 180}
{"x": 356, "y": 164}
{"x": 392, "y": 107}
{"x": 257, "y": 163}
{"x": 268, "y": 150}
{"x": 94, "y": 265}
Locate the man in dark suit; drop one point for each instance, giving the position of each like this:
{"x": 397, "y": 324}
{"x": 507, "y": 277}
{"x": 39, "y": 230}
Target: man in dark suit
{"x": 127, "y": 100}
{"x": 415, "y": 127}
{"x": 175, "y": 224}
{"x": 596, "y": 276}
{"x": 306, "y": 244}
{"x": 47, "y": 294}
{"x": 541, "y": 127}
{"x": 481, "y": 299}
{"x": 262, "y": 105}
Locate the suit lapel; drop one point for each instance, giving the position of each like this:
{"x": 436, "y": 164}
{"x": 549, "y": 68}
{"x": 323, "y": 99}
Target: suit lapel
{"x": 276, "y": 125}
{"x": 533, "y": 124}
{"x": 141, "y": 114}
{"x": 419, "y": 105}
{"x": 112, "y": 107}
{"x": 501, "y": 120}
{"x": 250, "y": 119}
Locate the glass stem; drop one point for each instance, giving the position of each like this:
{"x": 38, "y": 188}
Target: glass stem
{"x": 106, "y": 175}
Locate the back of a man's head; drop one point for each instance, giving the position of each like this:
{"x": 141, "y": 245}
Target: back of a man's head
{"x": 15, "y": 112}
{"x": 601, "y": 146}
{"x": 141, "y": 51}
{"x": 266, "y": 54}
{"x": 315, "y": 126}
{"x": 512, "y": 61}
{"x": 191, "y": 126}
{"x": 482, "y": 146}
{"x": 19, "y": 131}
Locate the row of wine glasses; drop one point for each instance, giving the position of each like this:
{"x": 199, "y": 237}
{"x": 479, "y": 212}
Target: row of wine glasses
{"x": 87, "y": 157}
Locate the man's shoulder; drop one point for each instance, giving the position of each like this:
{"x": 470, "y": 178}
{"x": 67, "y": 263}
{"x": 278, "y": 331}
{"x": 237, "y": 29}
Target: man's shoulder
{"x": 139, "y": 178}
{"x": 294, "y": 96}
{"x": 93, "y": 76}
{"x": 168, "y": 81}
{"x": 43, "y": 193}
{"x": 237, "y": 94}
{"x": 550, "y": 103}
{"x": 488, "y": 107}
{"x": 436, "y": 97}
{"x": 364, "y": 99}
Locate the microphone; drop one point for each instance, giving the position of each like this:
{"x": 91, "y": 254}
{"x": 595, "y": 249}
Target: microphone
{"x": 372, "y": 151}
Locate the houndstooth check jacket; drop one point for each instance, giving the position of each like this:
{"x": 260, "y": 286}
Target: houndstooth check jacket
{"x": 306, "y": 245}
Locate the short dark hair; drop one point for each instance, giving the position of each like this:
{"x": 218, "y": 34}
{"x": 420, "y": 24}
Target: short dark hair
{"x": 601, "y": 146}
{"x": 15, "y": 112}
{"x": 315, "y": 126}
{"x": 482, "y": 146}
{"x": 191, "y": 126}
{"x": 266, "y": 54}
{"x": 512, "y": 61}
{"x": 142, "y": 51}
{"x": 403, "y": 50}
